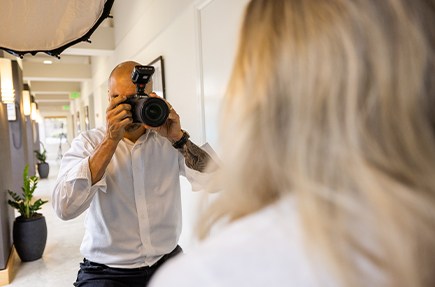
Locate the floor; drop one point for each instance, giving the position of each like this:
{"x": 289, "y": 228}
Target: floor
{"x": 59, "y": 264}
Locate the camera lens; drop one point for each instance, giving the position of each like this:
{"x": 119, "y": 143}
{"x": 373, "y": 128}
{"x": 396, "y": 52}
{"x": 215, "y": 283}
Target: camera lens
{"x": 155, "y": 111}
{"x": 148, "y": 110}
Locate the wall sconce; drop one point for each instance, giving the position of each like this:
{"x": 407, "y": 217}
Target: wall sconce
{"x": 27, "y": 105}
{"x": 7, "y": 83}
{"x": 34, "y": 115}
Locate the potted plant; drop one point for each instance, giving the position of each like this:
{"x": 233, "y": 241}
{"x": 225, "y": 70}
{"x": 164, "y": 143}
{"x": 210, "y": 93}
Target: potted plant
{"x": 30, "y": 228}
{"x": 43, "y": 167}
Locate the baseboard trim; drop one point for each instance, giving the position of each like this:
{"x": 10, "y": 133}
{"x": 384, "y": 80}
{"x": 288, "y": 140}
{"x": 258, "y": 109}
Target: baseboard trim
{"x": 7, "y": 275}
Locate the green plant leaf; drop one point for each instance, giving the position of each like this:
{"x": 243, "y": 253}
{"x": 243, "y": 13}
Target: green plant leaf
{"x": 23, "y": 203}
{"x": 15, "y": 196}
{"x": 41, "y": 156}
{"x": 37, "y": 205}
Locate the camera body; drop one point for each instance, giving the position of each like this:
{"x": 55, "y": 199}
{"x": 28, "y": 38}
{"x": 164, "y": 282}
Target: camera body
{"x": 145, "y": 109}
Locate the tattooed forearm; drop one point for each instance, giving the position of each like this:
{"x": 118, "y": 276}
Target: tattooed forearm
{"x": 195, "y": 157}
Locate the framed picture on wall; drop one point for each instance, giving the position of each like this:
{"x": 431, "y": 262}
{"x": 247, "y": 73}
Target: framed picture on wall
{"x": 158, "y": 77}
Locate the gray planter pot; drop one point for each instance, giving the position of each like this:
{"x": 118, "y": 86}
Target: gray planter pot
{"x": 30, "y": 237}
{"x": 43, "y": 169}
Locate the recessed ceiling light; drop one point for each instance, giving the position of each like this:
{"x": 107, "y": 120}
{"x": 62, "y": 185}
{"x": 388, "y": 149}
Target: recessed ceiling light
{"x": 48, "y": 62}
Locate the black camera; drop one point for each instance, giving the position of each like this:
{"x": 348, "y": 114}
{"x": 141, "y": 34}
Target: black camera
{"x": 145, "y": 109}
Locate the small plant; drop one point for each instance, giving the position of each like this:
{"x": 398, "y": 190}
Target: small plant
{"x": 41, "y": 156}
{"x": 23, "y": 203}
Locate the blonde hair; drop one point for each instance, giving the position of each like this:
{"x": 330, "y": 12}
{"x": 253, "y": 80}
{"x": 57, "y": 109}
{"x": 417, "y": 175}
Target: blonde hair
{"x": 333, "y": 101}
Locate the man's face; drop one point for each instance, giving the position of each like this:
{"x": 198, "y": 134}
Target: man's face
{"x": 123, "y": 86}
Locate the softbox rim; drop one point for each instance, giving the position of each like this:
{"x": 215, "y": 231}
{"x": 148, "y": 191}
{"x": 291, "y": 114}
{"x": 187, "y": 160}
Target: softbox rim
{"x": 56, "y": 51}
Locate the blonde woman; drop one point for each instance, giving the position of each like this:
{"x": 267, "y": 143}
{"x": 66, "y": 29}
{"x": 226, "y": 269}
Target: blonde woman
{"x": 328, "y": 140}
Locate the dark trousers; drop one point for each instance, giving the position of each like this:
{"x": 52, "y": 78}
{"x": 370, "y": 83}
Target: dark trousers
{"x": 93, "y": 274}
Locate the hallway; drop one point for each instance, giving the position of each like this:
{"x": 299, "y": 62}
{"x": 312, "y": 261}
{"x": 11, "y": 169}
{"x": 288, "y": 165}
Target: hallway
{"x": 193, "y": 48}
{"x": 60, "y": 262}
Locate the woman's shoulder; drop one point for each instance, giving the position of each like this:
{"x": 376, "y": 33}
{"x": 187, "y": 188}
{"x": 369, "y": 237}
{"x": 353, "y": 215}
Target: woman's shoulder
{"x": 262, "y": 249}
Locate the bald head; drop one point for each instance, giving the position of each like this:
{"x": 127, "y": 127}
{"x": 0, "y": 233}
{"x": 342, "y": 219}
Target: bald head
{"x": 123, "y": 71}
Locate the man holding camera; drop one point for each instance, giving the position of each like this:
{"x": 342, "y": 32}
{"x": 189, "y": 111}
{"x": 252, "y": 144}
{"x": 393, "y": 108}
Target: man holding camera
{"x": 127, "y": 177}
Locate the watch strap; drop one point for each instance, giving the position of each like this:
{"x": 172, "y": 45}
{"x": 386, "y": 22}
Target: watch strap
{"x": 181, "y": 142}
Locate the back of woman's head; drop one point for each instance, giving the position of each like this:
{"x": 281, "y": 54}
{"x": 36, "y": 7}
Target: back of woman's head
{"x": 333, "y": 101}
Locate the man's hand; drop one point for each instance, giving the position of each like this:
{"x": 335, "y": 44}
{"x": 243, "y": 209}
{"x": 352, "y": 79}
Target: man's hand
{"x": 171, "y": 129}
{"x": 194, "y": 157}
{"x": 118, "y": 116}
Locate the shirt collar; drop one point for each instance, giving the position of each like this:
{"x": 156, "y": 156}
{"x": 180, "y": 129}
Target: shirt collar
{"x": 148, "y": 134}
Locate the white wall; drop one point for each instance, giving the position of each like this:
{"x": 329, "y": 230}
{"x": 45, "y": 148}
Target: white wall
{"x": 197, "y": 40}
{"x": 219, "y": 31}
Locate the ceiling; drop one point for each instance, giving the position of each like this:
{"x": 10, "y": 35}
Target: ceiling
{"x": 52, "y": 82}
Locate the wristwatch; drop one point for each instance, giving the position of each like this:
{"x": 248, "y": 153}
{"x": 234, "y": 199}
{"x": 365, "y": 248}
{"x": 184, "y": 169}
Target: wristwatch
{"x": 181, "y": 142}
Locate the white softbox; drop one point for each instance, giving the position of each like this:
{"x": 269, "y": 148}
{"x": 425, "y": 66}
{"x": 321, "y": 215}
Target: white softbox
{"x": 49, "y": 26}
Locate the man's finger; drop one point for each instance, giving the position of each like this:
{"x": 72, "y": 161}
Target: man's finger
{"x": 115, "y": 101}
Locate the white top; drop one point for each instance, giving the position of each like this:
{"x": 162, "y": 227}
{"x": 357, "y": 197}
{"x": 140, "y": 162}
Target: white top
{"x": 262, "y": 249}
{"x": 134, "y": 211}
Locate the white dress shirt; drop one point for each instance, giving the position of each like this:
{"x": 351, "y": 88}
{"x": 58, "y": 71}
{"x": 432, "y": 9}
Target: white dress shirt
{"x": 134, "y": 211}
{"x": 262, "y": 249}
{"x": 265, "y": 248}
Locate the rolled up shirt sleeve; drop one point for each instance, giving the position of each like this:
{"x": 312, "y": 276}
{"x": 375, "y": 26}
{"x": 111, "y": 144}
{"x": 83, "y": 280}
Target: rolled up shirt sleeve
{"x": 73, "y": 191}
